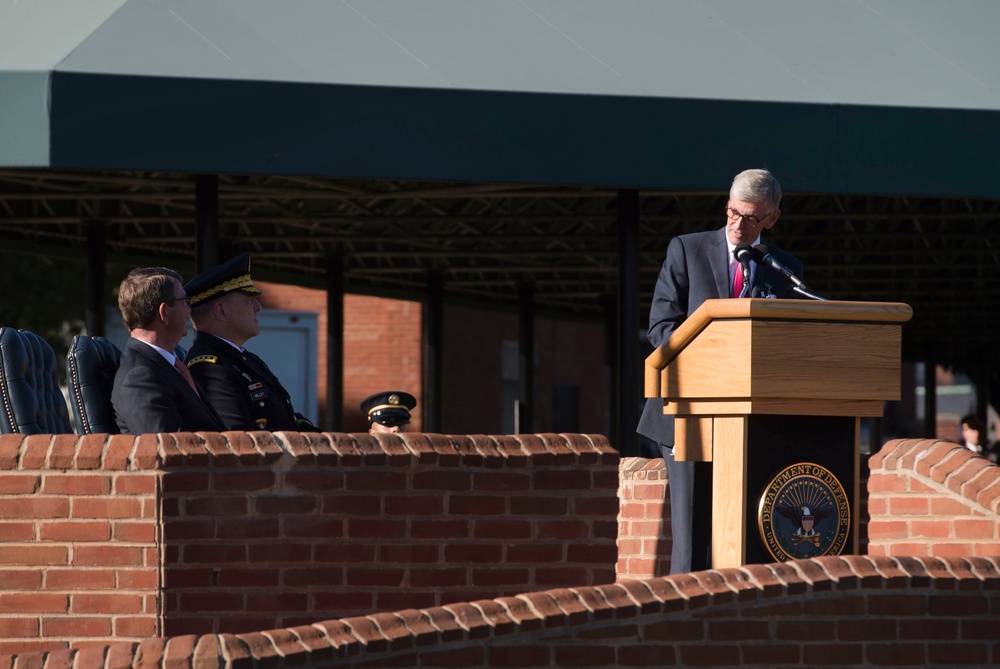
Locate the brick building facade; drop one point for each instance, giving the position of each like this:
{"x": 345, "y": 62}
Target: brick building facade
{"x": 383, "y": 350}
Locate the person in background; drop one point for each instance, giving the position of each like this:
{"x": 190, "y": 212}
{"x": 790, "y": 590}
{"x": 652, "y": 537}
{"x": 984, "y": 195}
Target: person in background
{"x": 153, "y": 391}
{"x": 973, "y": 433}
{"x": 388, "y": 411}
{"x": 239, "y": 384}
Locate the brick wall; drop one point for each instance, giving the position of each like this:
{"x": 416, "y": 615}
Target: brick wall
{"x": 78, "y": 540}
{"x": 125, "y": 538}
{"x": 643, "y": 519}
{"x": 933, "y": 498}
{"x": 251, "y": 529}
{"x": 851, "y": 611}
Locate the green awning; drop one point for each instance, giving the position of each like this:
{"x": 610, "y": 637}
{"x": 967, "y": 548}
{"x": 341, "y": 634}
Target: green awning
{"x": 876, "y": 97}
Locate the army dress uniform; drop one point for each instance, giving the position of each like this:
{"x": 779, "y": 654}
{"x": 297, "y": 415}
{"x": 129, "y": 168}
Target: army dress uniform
{"x": 242, "y": 388}
{"x": 238, "y": 384}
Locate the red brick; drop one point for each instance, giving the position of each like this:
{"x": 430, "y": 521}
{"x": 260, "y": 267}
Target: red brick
{"x": 63, "y": 451}
{"x": 972, "y": 530}
{"x": 136, "y": 484}
{"x": 375, "y": 480}
{"x": 75, "y": 531}
{"x": 136, "y": 627}
{"x": 34, "y": 507}
{"x": 140, "y": 532}
{"x": 76, "y": 484}
{"x": 20, "y": 579}
{"x": 18, "y": 484}
{"x": 531, "y": 504}
{"x": 365, "y": 528}
{"x": 10, "y": 448}
{"x": 256, "y": 577}
{"x": 909, "y": 506}
{"x": 33, "y": 555}
{"x": 449, "y": 481}
{"x": 80, "y": 579}
{"x": 117, "y": 507}
{"x": 414, "y": 505}
{"x": 77, "y": 627}
{"x": 214, "y": 553}
{"x": 34, "y": 602}
{"x": 137, "y": 579}
{"x": 111, "y": 604}
{"x": 241, "y": 481}
{"x": 18, "y": 627}
{"x": 34, "y": 450}
{"x": 11, "y": 532}
{"x": 251, "y": 527}
{"x": 87, "y": 555}
{"x": 502, "y": 529}
{"x": 215, "y": 506}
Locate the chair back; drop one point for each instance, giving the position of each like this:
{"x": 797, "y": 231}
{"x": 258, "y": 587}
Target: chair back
{"x": 91, "y": 365}
{"x": 33, "y": 403}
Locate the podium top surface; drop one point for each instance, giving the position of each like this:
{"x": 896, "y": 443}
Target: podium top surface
{"x": 768, "y": 309}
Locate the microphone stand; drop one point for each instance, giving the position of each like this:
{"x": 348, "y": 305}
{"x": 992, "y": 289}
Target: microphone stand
{"x": 745, "y": 290}
{"x": 802, "y": 290}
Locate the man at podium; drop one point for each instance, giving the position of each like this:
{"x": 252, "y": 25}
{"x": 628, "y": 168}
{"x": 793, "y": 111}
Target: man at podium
{"x": 701, "y": 266}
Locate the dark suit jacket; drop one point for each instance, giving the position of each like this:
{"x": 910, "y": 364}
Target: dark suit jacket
{"x": 242, "y": 388}
{"x": 151, "y": 396}
{"x": 697, "y": 269}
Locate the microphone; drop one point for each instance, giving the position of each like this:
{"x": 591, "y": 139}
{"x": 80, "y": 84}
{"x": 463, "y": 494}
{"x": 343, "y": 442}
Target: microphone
{"x": 762, "y": 254}
{"x": 743, "y": 253}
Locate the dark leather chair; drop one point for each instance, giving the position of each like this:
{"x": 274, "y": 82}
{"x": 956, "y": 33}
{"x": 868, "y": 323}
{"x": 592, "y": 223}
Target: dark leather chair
{"x": 91, "y": 365}
{"x": 33, "y": 403}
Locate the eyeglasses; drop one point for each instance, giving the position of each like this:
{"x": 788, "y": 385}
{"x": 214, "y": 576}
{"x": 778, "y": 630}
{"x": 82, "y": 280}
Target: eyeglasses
{"x": 749, "y": 218}
{"x": 173, "y": 300}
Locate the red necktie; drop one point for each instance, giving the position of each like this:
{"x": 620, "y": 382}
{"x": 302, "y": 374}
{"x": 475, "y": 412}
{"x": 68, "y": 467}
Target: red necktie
{"x": 182, "y": 368}
{"x": 737, "y": 280}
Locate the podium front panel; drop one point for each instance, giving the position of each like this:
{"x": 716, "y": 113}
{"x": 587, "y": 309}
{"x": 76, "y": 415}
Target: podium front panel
{"x": 776, "y": 443}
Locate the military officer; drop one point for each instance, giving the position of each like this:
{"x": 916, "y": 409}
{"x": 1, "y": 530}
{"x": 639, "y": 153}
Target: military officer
{"x": 238, "y": 384}
{"x": 388, "y": 411}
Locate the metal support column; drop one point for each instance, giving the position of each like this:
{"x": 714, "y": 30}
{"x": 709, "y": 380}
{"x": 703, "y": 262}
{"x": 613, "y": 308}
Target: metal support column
{"x": 628, "y": 322}
{"x": 97, "y": 273}
{"x": 930, "y": 400}
{"x": 611, "y": 364}
{"x": 526, "y": 359}
{"x": 334, "y": 343}
{"x": 432, "y": 337}
{"x": 206, "y": 218}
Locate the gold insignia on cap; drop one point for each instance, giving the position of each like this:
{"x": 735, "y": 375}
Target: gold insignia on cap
{"x": 393, "y": 399}
{"x": 239, "y": 283}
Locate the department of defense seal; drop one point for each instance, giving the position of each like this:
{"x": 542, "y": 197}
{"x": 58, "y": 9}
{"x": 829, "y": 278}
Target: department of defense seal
{"x": 804, "y": 513}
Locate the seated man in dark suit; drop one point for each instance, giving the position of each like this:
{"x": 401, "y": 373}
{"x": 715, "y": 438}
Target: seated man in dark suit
{"x": 241, "y": 387}
{"x": 153, "y": 391}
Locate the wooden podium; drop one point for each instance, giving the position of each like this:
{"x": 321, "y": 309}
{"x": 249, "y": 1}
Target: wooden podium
{"x": 758, "y": 386}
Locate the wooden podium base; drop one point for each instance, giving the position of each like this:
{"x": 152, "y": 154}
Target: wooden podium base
{"x": 813, "y": 451}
